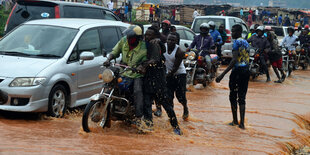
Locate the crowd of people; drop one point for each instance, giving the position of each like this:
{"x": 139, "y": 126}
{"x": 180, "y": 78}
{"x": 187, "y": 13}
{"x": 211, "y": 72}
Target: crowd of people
{"x": 266, "y": 18}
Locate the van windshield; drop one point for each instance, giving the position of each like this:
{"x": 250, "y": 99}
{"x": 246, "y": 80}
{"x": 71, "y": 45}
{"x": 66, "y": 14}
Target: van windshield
{"x": 25, "y": 12}
{"x": 37, "y": 41}
{"x": 199, "y": 21}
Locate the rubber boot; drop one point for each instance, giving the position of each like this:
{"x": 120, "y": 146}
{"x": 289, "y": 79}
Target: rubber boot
{"x": 185, "y": 111}
{"x": 268, "y": 76}
{"x": 234, "y": 114}
{"x": 242, "y": 114}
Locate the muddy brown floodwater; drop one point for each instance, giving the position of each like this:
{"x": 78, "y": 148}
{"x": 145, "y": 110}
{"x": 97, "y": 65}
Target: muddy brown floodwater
{"x": 275, "y": 121}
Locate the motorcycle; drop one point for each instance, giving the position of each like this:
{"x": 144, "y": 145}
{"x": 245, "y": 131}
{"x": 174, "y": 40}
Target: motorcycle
{"x": 196, "y": 68}
{"x": 302, "y": 58}
{"x": 287, "y": 60}
{"x": 255, "y": 64}
{"x": 114, "y": 102}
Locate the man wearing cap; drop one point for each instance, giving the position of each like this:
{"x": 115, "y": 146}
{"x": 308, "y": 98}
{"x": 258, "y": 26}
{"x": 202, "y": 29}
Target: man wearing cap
{"x": 259, "y": 40}
{"x": 134, "y": 53}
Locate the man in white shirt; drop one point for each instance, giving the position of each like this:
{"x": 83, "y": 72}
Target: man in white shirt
{"x": 110, "y": 5}
{"x": 195, "y": 14}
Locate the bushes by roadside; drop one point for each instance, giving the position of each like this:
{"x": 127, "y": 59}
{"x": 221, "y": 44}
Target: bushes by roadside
{"x": 3, "y": 17}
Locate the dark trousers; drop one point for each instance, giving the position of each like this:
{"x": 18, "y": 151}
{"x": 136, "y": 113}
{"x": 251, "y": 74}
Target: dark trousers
{"x": 138, "y": 96}
{"x": 238, "y": 85}
{"x": 163, "y": 99}
{"x": 263, "y": 60}
{"x": 177, "y": 84}
{"x": 219, "y": 52}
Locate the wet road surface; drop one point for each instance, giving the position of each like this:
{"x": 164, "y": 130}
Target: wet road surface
{"x": 276, "y": 115}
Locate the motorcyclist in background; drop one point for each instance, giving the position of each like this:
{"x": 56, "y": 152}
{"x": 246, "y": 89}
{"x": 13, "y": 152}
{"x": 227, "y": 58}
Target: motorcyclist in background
{"x": 203, "y": 42}
{"x": 134, "y": 53}
{"x": 216, "y": 38}
{"x": 252, "y": 31}
{"x": 260, "y": 41}
{"x": 290, "y": 40}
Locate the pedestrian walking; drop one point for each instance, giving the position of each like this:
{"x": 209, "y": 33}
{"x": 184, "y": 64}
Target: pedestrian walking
{"x": 239, "y": 77}
{"x": 241, "y": 13}
{"x": 195, "y": 14}
{"x": 173, "y": 16}
{"x": 110, "y": 5}
{"x": 151, "y": 9}
{"x": 129, "y": 11}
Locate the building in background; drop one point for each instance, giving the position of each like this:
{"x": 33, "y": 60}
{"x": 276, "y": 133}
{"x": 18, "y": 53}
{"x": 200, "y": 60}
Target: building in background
{"x": 277, "y": 3}
{"x": 171, "y": 1}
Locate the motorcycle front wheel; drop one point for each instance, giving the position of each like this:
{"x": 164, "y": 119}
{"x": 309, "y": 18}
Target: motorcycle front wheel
{"x": 95, "y": 115}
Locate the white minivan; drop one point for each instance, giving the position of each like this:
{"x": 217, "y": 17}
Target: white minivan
{"x": 228, "y": 22}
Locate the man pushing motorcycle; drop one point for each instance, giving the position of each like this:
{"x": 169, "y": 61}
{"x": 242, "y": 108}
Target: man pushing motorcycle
{"x": 134, "y": 53}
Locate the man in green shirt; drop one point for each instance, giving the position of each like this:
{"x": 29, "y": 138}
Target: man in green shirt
{"x": 134, "y": 54}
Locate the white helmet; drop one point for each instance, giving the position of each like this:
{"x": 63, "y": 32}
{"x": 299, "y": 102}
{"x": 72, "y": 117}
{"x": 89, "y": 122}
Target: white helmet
{"x": 205, "y": 25}
{"x": 252, "y": 27}
{"x": 260, "y": 28}
{"x": 211, "y": 23}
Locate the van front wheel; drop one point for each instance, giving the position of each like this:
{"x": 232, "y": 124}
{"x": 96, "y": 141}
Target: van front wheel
{"x": 57, "y": 101}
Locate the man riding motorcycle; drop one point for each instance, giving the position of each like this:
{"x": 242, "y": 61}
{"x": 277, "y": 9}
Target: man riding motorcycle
{"x": 216, "y": 38}
{"x": 290, "y": 41}
{"x": 259, "y": 41}
{"x": 203, "y": 42}
{"x": 134, "y": 53}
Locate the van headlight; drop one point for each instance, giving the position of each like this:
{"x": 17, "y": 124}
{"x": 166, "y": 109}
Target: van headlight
{"x": 107, "y": 75}
{"x": 26, "y": 82}
{"x": 191, "y": 55}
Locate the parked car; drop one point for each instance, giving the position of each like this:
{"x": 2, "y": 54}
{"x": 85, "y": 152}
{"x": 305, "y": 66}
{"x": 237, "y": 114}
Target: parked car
{"x": 228, "y": 22}
{"x": 280, "y": 31}
{"x": 43, "y": 63}
{"x": 25, "y": 10}
{"x": 186, "y": 35}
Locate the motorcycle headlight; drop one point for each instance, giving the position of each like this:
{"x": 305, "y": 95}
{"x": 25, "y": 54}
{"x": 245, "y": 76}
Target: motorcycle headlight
{"x": 191, "y": 55}
{"x": 252, "y": 52}
{"x": 107, "y": 75}
{"x": 298, "y": 48}
{"x": 26, "y": 82}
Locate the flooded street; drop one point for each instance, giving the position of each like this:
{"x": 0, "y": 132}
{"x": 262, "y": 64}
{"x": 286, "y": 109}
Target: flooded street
{"x": 277, "y": 116}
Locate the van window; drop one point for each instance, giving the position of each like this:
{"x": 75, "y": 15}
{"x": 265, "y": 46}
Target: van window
{"x": 110, "y": 16}
{"x": 231, "y": 23}
{"x": 82, "y": 12}
{"x": 189, "y": 34}
{"x": 24, "y": 12}
{"x": 182, "y": 34}
{"x": 109, "y": 38}
{"x": 278, "y": 31}
{"x": 90, "y": 42}
{"x": 198, "y": 22}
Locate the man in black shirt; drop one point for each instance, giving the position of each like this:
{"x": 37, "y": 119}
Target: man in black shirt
{"x": 155, "y": 82}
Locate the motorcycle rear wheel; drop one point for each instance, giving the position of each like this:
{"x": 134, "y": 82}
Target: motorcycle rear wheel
{"x": 95, "y": 115}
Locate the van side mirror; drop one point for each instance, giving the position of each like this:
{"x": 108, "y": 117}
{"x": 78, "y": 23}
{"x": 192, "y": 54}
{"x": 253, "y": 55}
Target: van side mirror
{"x": 84, "y": 56}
